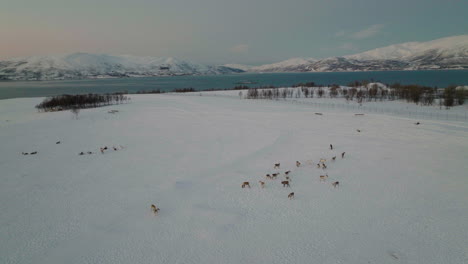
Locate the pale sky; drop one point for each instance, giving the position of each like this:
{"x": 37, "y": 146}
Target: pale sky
{"x": 218, "y": 31}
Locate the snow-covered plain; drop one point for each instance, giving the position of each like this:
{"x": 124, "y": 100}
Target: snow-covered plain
{"x": 402, "y": 197}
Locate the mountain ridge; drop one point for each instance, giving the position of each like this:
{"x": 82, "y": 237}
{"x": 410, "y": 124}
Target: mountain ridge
{"x": 444, "y": 53}
{"x": 86, "y": 65}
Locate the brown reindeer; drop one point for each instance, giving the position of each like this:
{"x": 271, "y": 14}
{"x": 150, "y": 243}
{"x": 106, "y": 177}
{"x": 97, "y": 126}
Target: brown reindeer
{"x": 154, "y": 209}
{"x": 298, "y": 164}
{"x": 274, "y": 175}
{"x": 285, "y": 183}
{"x": 291, "y": 195}
{"x": 335, "y": 184}
{"x": 287, "y": 172}
{"x": 268, "y": 176}
{"x": 331, "y": 146}
{"x": 358, "y": 130}
{"x": 324, "y": 166}
{"x": 277, "y": 166}
{"x": 342, "y": 155}
{"x": 318, "y": 165}
{"x": 245, "y": 184}
{"x": 323, "y": 177}
{"x": 333, "y": 158}
{"x": 262, "y": 184}
{"x": 102, "y": 150}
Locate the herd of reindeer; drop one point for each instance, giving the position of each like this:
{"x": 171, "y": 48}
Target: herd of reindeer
{"x": 320, "y": 165}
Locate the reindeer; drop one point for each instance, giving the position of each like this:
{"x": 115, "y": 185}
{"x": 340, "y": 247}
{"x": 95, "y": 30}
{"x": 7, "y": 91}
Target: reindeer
{"x": 333, "y": 158}
{"x": 298, "y": 164}
{"x": 154, "y": 209}
{"x": 277, "y": 166}
{"x": 268, "y": 176}
{"x": 331, "y": 146}
{"x": 324, "y": 166}
{"x": 274, "y": 175}
{"x": 318, "y": 165}
{"x": 285, "y": 183}
{"x": 291, "y": 195}
{"x": 89, "y": 152}
{"x": 115, "y": 149}
{"x": 323, "y": 177}
{"x": 33, "y": 153}
{"x": 24, "y": 153}
{"x": 287, "y": 172}
{"x": 417, "y": 123}
{"x": 262, "y": 184}
{"x": 358, "y": 130}
{"x": 287, "y": 178}
{"x": 335, "y": 184}
{"x": 58, "y": 142}
{"x": 342, "y": 155}
{"x": 245, "y": 184}
{"x": 102, "y": 150}
{"x": 322, "y": 160}
{"x": 81, "y": 153}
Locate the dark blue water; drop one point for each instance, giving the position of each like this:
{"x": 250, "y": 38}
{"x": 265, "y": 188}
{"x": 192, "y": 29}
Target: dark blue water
{"x": 14, "y": 89}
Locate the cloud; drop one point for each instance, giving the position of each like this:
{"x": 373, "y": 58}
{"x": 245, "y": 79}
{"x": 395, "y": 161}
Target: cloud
{"x": 368, "y": 32}
{"x": 241, "y": 48}
{"x": 347, "y": 46}
{"x": 339, "y": 34}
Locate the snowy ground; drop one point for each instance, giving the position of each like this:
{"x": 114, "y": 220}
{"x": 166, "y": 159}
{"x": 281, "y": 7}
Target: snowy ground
{"x": 402, "y": 198}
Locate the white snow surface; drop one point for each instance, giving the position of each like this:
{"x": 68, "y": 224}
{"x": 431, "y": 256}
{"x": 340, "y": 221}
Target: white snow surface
{"x": 402, "y": 195}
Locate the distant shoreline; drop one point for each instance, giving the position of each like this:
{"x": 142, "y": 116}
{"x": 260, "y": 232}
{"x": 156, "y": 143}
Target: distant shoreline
{"x": 241, "y": 73}
{"x": 18, "y": 89}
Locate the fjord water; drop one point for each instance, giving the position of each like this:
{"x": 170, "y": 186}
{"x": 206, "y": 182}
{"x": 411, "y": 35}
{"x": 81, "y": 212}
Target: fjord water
{"x": 15, "y": 89}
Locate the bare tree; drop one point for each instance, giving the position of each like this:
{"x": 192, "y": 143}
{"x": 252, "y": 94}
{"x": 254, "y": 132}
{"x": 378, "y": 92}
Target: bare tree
{"x": 75, "y": 111}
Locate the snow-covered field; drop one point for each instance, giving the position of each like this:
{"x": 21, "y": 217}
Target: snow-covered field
{"x": 402, "y": 195}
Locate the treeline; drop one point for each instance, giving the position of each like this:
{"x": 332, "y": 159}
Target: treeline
{"x": 79, "y": 101}
{"x": 417, "y": 94}
{"x": 449, "y": 96}
{"x": 183, "y": 90}
{"x": 150, "y": 92}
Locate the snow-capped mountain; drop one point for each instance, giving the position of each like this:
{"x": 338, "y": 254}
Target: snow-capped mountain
{"x": 450, "y": 46}
{"x": 85, "y": 65}
{"x": 444, "y": 53}
{"x": 239, "y": 66}
{"x": 294, "y": 64}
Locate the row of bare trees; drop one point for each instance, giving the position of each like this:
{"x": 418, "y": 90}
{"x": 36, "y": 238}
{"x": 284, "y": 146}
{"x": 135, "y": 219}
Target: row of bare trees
{"x": 66, "y": 101}
{"x": 411, "y": 93}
